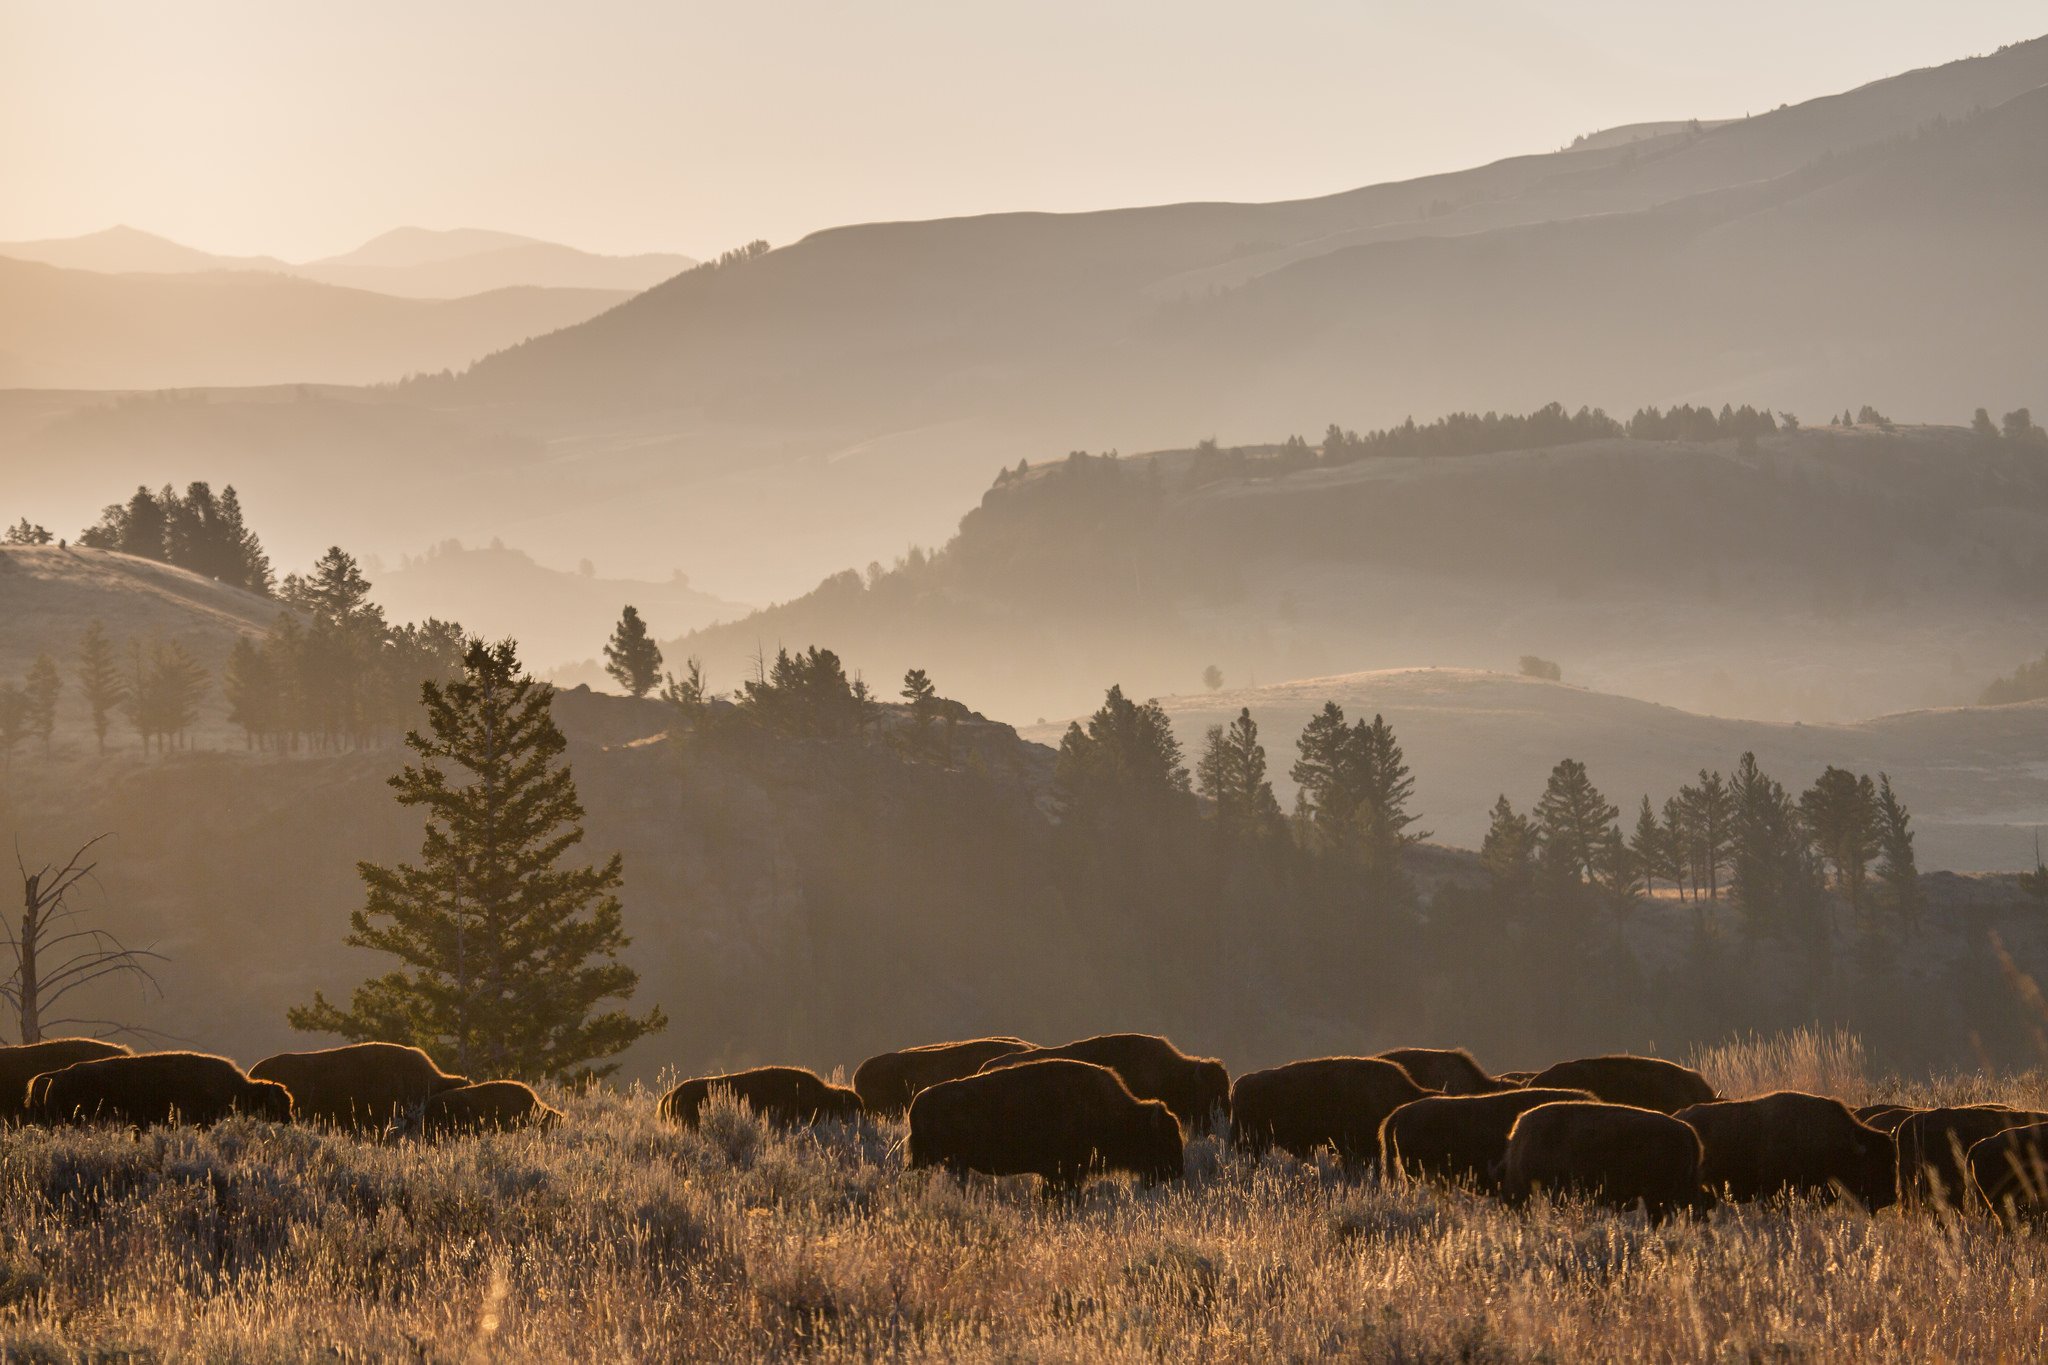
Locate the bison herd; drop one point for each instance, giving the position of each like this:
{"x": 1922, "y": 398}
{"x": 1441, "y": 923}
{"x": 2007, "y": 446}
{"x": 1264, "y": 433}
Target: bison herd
{"x": 1621, "y": 1130}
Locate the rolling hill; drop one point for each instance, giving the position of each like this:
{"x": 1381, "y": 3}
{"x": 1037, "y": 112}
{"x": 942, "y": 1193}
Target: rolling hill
{"x": 79, "y": 329}
{"x": 1826, "y": 574}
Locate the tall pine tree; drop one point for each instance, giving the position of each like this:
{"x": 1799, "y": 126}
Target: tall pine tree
{"x": 1232, "y": 774}
{"x": 100, "y": 679}
{"x": 631, "y": 656}
{"x": 507, "y": 954}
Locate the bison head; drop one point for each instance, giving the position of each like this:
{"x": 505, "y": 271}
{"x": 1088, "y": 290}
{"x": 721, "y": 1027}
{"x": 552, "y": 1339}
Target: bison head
{"x": 1160, "y": 1156}
{"x": 267, "y": 1100}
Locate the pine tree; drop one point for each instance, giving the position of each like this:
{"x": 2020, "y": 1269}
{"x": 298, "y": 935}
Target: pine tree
{"x": 1708, "y": 812}
{"x": 1773, "y": 871}
{"x": 1900, "y": 871}
{"x": 1653, "y": 848}
{"x": 1508, "y": 852}
{"x": 1126, "y": 762}
{"x": 41, "y": 690}
{"x": 1232, "y": 774}
{"x": 100, "y": 680}
{"x": 923, "y": 699}
{"x": 1840, "y": 814}
{"x": 242, "y": 553}
{"x": 631, "y": 657}
{"x": 507, "y": 955}
{"x": 13, "y": 720}
{"x": 1321, "y": 771}
{"x": 1572, "y": 822}
{"x": 25, "y": 532}
{"x": 250, "y": 683}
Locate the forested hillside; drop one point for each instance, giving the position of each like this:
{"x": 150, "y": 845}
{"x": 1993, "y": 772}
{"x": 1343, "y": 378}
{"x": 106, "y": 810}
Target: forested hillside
{"x": 1828, "y": 572}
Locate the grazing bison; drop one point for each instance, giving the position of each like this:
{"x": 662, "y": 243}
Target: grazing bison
{"x": 1641, "y": 1082}
{"x": 1791, "y": 1141}
{"x": 1460, "y": 1138}
{"x": 1615, "y": 1154}
{"x": 487, "y": 1105}
{"x": 1194, "y": 1088}
{"x": 21, "y": 1063}
{"x": 888, "y": 1082}
{"x": 1886, "y": 1118}
{"x": 1934, "y": 1147}
{"x": 1335, "y": 1102}
{"x": 360, "y": 1086}
{"x": 1449, "y": 1070}
{"x": 155, "y": 1088}
{"x": 1060, "y": 1119}
{"x": 784, "y": 1095}
{"x": 2009, "y": 1172}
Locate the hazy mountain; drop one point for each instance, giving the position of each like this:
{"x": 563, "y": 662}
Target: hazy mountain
{"x": 1976, "y": 778}
{"x": 558, "y": 617}
{"x": 124, "y": 250}
{"x": 79, "y": 329}
{"x": 417, "y": 263}
{"x": 409, "y": 262}
{"x": 1105, "y": 314}
{"x": 1830, "y": 573}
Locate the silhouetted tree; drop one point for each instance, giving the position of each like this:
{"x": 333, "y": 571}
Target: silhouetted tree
{"x": 251, "y": 685}
{"x": 13, "y": 720}
{"x": 1706, "y": 812}
{"x": 54, "y": 954}
{"x": 100, "y": 680}
{"x": 23, "y": 532}
{"x": 1508, "y": 853}
{"x": 1573, "y": 821}
{"x": 1655, "y": 849}
{"x": 631, "y": 657}
{"x": 507, "y": 954}
{"x": 923, "y": 699}
{"x": 1232, "y": 774}
{"x": 1212, "y": 678}
{"x": 1773, "y": 872}
{"x": 1840, "y": 814}
{"x": 41, "y": 689}
{"x": 1900, "y": 870}
{"x": 1982, "y": 427}
{"x": 2019, "y": 427}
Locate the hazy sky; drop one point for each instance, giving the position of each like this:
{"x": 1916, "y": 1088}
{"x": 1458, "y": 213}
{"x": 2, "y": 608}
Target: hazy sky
{"x": 299, "y": 129}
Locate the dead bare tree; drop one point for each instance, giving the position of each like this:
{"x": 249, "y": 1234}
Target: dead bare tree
{"x": 52, "y": 927}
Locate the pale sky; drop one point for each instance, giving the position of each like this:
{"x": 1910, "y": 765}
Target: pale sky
{"x": 300, "y": 130}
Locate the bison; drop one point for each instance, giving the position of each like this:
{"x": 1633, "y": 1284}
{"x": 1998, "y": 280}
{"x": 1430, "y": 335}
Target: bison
{"x": 487, "y": 1105}
{"x": 888, "y": 1082}
{"x": 1789, "y": 1141}
{"x": 359, "y": 1086}
{"x": 1934, "y": 1147}
{"x": 1639, "y": 1082}
{"x": 784, "y": 1095}
{"x": 1335, "y": 1102}
{"x": 1059, "y": 1119}
{"x": 1194, "y": 1088}
{"x": 2009, "y": 1173}
{"x": 1616, "y": 1154}
{"x": 1460, "y": 1138}
{"x": 1449, "y": 1070}
{"x": 21, "y": 1063}
{"x": 155, "y": 1088}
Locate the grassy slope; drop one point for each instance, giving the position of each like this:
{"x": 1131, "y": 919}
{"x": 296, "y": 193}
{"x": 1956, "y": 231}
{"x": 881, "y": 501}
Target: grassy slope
{"x": 618, "y": 1238}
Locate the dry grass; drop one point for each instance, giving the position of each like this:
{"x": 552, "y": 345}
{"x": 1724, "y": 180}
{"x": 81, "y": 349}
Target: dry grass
{"x": 616, "y": 1238}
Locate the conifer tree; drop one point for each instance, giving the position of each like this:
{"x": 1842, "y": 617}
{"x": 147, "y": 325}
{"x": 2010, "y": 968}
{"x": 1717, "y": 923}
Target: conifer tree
{"x": 1773, "y": 871}
{"x": 1572, "y": 822}
{"x": 99, "y": 679}
{"x": 1840, "y": 814}
{"x": 1900, "y": 871}
{"x": 40, "y": 690}
{"x": 631, "y": 657}
{"x": 1508, "y": 852}
{"x": 13, "y": 720}
{"x": 250, "y": 683}
{"x": 1653, "y": 849}
{"x": 507, "y": 954}
{"x": 923, "y": 698}
{"x": 1232, "y": 774}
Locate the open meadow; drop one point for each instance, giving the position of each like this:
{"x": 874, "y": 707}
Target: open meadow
{"x": 617, "y": 1237}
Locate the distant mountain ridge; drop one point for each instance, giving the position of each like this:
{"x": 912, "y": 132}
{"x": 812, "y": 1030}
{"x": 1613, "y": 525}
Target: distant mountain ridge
{"x": 409, "y": 262}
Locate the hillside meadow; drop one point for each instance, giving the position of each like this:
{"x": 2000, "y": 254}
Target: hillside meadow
{"x": 615, "y": 1237}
